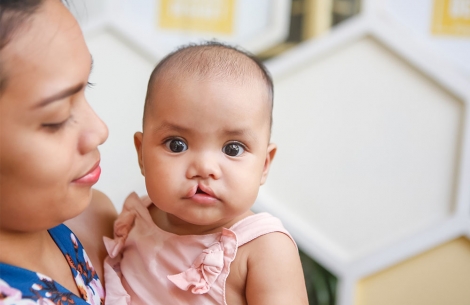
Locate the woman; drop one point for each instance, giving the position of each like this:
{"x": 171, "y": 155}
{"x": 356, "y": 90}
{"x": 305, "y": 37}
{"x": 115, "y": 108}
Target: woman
{"x": 48, "y": 160}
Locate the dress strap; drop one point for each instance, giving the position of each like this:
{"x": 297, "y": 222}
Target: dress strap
{"x": 257, "y": 225}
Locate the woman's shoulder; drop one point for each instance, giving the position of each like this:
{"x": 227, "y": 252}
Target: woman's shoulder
{"x": 97, "y": 219}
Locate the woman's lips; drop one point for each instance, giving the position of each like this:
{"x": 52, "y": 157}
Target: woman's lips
{"x": 91, "y": 177}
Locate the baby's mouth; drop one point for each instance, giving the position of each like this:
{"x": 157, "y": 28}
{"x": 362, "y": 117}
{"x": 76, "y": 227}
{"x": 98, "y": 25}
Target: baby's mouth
{"x": 202, "y": 195}
{"x": 199, "y": 191}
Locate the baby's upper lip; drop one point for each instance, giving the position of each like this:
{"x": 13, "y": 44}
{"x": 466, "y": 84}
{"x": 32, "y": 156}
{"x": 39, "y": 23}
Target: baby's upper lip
{"x": 201, "y": 188}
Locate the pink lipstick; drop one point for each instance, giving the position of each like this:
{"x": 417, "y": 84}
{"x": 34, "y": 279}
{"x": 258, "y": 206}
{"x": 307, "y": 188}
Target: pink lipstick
{"x": 91, "y": 177}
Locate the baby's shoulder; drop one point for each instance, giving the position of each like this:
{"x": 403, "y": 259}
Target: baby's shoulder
{"x": 272, "y": 261}
{"x": 263, "y": 264}
{"x": 260, "y": 228}
{"x": 264, "y": 242}
{"x": 275, "y": 242}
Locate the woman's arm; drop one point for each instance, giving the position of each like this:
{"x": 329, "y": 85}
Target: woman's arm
{"x": 90, "y": 227}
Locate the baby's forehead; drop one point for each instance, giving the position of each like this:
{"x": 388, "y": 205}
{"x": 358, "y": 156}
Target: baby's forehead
{"x": 217, "y": 87}
{"x": 181, "y": 77}
{"x": 238, "y": 107}
{"x": 210, "y": 62}
{"x": 210, "y": 67}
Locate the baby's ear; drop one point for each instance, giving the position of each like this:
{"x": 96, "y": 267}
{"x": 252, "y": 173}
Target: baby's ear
{"x": 271, "y": 151}
{"x": 138, "y": 147}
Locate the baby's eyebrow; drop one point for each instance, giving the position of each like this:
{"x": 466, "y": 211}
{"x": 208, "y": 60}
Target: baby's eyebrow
{"x": 165, "y": 126}
{"x": 239, "y": 133}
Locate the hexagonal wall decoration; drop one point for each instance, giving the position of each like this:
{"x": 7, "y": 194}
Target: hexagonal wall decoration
{"x": 373, "y": 164}
{"x": 157, "y": 27}
{"x": 428, "y": 278}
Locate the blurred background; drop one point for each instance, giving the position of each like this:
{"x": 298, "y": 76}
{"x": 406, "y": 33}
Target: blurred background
{"x": 371, "y": 116}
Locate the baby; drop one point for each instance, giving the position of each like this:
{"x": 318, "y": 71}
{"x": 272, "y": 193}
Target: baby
{"x": 204, "y": 151}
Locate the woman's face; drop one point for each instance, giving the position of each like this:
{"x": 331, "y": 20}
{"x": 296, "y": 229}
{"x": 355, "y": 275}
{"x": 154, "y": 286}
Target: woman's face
{"x": 49, "y": 135}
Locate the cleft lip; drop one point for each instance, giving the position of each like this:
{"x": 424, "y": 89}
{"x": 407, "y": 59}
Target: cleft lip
{"x": 206, "y": 190}
{"x": 192, "y": 191}
{"x": 200, "y": 189}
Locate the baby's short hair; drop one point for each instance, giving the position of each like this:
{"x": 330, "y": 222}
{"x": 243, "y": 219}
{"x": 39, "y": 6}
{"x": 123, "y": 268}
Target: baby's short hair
{"x": 210, "y": 60}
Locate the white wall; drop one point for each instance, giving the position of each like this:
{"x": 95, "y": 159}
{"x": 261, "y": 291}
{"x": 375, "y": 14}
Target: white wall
{"x": 368, "y": 146}
{"x": 120, "y": 75}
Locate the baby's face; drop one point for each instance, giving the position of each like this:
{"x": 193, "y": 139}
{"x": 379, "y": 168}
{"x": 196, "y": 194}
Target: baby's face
{"x": 205, "y": 149}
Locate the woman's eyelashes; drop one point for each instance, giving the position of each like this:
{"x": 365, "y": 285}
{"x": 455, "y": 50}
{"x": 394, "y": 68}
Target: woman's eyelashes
{"x": 55, "y": 126}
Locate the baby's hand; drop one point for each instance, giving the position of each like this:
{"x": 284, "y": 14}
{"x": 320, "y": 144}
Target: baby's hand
{"x": 145, "y": 200}
{"x": 123, "y": 224}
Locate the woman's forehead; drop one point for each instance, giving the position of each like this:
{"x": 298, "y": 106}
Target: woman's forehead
{"x": 47, "y": 53}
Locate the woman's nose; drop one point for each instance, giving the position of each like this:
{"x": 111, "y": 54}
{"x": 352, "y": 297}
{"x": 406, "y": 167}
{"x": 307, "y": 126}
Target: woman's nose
{"x": 204, "y": 165}
{"x": 94, "y": 130}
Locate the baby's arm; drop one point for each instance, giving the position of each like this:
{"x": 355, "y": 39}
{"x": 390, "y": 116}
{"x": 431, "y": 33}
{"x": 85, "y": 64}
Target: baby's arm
{"x": 275, "y": 274}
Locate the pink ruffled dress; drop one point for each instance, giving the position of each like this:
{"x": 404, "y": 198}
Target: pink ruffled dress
{"x": 147, "y": 265}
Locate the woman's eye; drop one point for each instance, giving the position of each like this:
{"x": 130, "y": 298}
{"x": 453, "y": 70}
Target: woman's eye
{"x": 176, "y": 145}
{"x": 54, "y": 126}
{"x": 233, "y": 149}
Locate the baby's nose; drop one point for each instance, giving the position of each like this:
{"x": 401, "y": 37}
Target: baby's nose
{"x": 204, "y": 165}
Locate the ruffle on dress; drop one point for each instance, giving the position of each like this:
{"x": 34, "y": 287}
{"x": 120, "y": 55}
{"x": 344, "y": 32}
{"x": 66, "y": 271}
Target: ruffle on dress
{"x": 201, "y": 275}
{"x": 208, "y": 266}
{"x": 123, "y": 225}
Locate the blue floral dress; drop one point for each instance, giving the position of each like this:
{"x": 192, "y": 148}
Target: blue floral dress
{"x": 19, "y": 286}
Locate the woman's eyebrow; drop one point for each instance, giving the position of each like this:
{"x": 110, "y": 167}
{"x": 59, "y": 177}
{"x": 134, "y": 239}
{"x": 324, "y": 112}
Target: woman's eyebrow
{"x": 64, "y": 93}
{"x": 60, "y": 95}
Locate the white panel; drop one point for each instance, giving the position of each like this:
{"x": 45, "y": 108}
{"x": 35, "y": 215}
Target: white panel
{"x": 368, "y": 147}
{"x": 121, "y": 77}
{"x": 417, "y": 17}
{"x": 87, "y": 11}
{"x": 258, "y": 25}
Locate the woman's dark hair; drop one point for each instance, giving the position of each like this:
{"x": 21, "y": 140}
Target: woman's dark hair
{"x": 13, "y": 13}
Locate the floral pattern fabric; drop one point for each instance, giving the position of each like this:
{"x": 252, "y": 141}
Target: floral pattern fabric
{"x": 19, "y": 286}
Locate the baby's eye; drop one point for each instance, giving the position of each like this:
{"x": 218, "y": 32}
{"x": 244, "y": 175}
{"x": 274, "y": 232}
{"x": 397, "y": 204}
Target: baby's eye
{"x": 233, "y": 149}
{"x": 176, "y": 145}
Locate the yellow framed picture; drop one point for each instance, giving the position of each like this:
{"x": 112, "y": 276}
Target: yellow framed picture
{"x": 214, "y": 16}
{"x": 451, "y": 17}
